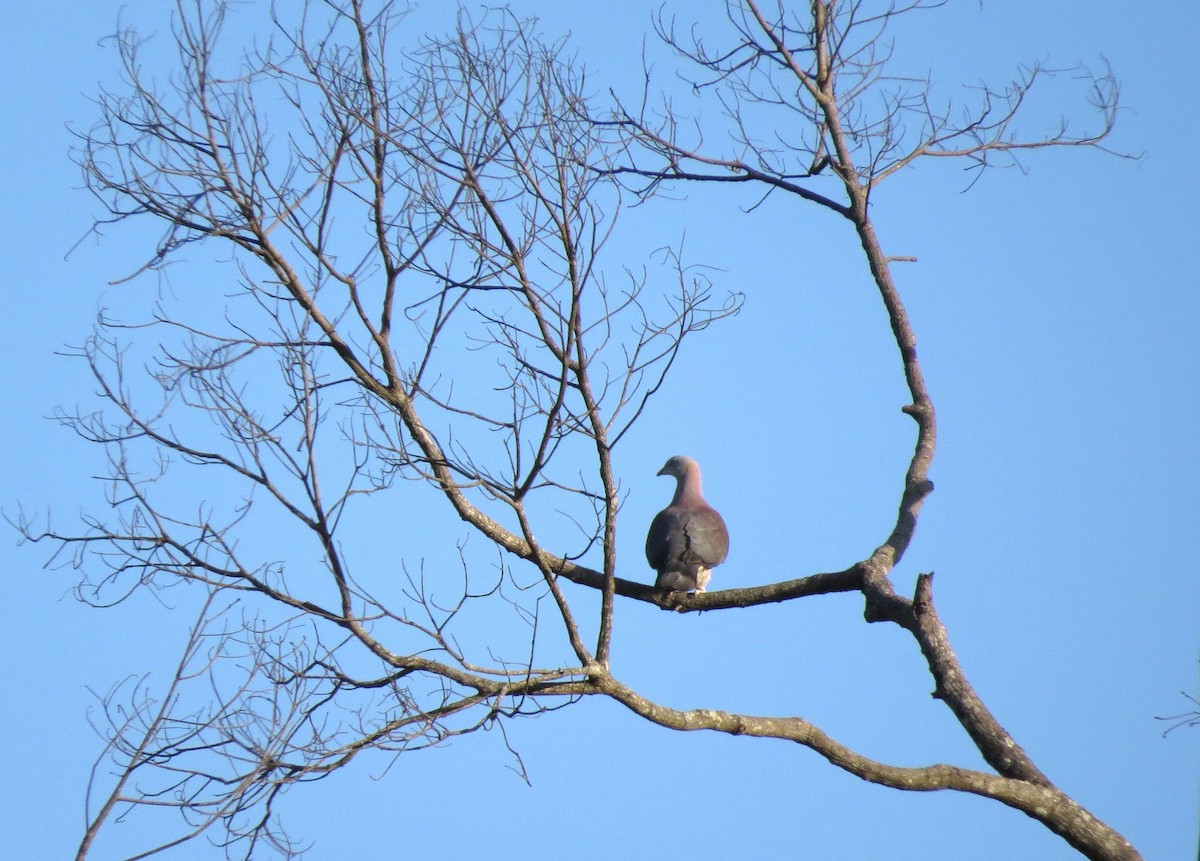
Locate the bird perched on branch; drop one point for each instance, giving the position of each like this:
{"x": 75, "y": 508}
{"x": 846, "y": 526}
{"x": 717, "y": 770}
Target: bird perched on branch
{"x": 688, "y": 538}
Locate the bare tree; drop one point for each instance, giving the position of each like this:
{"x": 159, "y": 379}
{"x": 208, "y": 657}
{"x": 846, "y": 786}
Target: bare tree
{"x": 423, "y": 310}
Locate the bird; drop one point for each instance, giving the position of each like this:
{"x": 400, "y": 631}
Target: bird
{"x": 688, "y": 538}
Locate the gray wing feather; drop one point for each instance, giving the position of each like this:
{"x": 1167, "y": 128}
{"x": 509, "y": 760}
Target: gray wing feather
{"x": 683, "y": 543}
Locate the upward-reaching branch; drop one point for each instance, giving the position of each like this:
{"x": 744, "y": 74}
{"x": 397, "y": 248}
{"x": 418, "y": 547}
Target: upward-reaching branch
{"x": 817, "y": 67}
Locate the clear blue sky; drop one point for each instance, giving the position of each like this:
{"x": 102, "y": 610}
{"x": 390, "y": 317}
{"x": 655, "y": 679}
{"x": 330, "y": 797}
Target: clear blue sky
{"x": 1057, "y": 314}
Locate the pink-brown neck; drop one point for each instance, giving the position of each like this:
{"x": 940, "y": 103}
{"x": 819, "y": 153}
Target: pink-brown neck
{"x": 687, "y": 488}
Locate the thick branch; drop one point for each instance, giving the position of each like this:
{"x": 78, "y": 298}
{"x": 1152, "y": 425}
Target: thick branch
{"x": 1046, "y": 804}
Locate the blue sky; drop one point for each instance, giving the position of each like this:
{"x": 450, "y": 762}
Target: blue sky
{"x": 1057, "y": 315}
